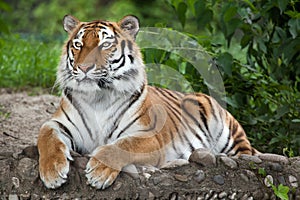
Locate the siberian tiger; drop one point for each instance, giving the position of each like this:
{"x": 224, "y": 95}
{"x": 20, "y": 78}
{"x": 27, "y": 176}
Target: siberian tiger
{"x": 108, "y": 111}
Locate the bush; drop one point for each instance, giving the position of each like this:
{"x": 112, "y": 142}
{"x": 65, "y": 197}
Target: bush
{"x": 263, "y": 84}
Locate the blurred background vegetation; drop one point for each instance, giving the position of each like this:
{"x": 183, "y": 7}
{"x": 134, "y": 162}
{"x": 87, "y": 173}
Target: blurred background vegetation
{"x": 255, "y": 45}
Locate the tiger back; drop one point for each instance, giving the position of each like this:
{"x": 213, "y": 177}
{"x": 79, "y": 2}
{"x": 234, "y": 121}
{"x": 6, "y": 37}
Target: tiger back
{"x": 108, "y": 111}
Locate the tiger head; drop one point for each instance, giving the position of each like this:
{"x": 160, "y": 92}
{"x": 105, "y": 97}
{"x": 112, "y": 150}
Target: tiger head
{"x": 101, "y": 55}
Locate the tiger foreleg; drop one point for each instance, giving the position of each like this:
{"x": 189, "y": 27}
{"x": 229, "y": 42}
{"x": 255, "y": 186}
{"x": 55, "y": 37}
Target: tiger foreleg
{"x": 53, "y": 156}
{"x": 107, "y": 161}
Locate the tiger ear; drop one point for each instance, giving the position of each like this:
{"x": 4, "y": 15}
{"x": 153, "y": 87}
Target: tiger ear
{"x": 70, "y": 23}
{"x": 130, "y": 24}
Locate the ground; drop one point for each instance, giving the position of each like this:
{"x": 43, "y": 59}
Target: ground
{"x": 206, "y": 176}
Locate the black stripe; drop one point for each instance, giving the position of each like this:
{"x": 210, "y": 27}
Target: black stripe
{"x": 202, "y": 111}
{"x": 194, "y": 132}
{"x": 153, "y": 125}
{"x": 136, "y": 95}
{"x": 195, "y": 120}
{"x": 170, "y": 93}
{"x": 128, "y": 126}
{"x": 129, "y": 44}
{"x": 123, "y": 46}
{"x": 76, "y": 106}
{"x": 241, "y": 149}
{"x": 226, "y": 145}
{"x": 64, "y": 130}
{"x": 131, "y": 59}
{"x": 127, "y": 75}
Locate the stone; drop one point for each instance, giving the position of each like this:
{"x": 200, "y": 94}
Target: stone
{"x": 232, "y": 196}
{"x": 269, "y": 181}
{"x": 203, "y": 157}
{"x": 244, "y": 178}
{"x": 274, "y": 158}
{"x": 31, "y": 152}
{"x": 173, "y": 196}
{"x": 251, "y": 175}
{"x": 281, "y": 180}
{"x": 222, "y": 195}
{"x": 27, "y": 169}
{"x": 293, "y": 181}
{"x": 25, "y": 196}
{"x": 275, "y": 167}
{"x": 15, "y": 181}
{"x": 229, "y": 162}
{"x": 219, "y": 179}
{"x": 13, "y": 197}
{"x": 199, "y": 176}
{"x": 175, "y": 163}
{"x": 117, "y": 186}
{"x": 250, "y": 158}
{"x": 182, "y": 178}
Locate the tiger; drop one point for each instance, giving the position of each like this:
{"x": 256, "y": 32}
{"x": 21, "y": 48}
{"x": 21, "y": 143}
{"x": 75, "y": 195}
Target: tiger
{"x": 108, "y": 111}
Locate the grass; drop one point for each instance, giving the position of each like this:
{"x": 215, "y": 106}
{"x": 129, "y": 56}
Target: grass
{"x": 27, "y": 62}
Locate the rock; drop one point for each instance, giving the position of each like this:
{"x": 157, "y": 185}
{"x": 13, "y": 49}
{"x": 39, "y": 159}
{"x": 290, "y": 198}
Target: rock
{"x": 269, "y": 181}
{"x": 250, "y": 158}
{"x": 222, "y": 195}
{"x": 293, "y": 181}
{"x": 281, "y": 180}
{"x": 13, "y": 197}
{"x": 175, "y": 163}
{"x": 251, "y": 175}
{"x": 199, "y": 176}
{"x": 203, "y": 157}
{"x": 274, "y": 158}
{"x": 27, "y": 169}
{"x": 31, "y": 152}
{"x": 117, "y": 186}
{"x": 173, "y": 196}
{"x": 232, "y": 196}
{"x": 219, "y": 179}
{"x": 229, "y": 162}
{"x": 15, "y": 181}
{"x": 244, "y": 178}
{"x": 275, "y": 167}
{"x": 182, "y": 178}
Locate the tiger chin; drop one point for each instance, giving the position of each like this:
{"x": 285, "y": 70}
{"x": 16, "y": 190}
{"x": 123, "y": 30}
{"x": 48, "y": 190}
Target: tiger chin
{"x": 108, "y": 111}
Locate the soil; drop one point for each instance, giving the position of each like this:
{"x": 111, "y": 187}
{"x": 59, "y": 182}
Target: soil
{"x": 21, "y": 117}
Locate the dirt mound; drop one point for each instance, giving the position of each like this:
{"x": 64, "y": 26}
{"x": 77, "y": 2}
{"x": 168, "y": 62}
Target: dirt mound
{"x": 217, "y": 177}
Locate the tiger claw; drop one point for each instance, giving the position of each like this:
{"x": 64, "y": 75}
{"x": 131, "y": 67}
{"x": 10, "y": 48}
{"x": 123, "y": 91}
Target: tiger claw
{"x": 100, "y": 176}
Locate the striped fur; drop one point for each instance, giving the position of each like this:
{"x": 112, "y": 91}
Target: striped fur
{"x": 108, "y": 111}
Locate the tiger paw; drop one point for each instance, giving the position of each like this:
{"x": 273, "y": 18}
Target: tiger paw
{"x": 54, "y": 168}
{"x": 99, "y": 175}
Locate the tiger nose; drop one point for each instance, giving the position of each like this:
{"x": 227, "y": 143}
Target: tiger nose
{"x": 86, "y": 68}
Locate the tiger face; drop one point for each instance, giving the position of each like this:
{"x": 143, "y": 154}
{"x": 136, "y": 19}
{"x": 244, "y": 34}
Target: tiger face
{"x": 102, "y": 55}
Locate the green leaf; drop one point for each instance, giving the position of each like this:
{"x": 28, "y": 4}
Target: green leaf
{"x": 230, "y": 13}
{"x": 203, "y": 14}
{"x": 282, "y": 5}
{"x": 225, "y": 60}
{"x": 261, "y": 45}
{"x": 282, "y": 192}
{"x": 294, "y": 27}
{"x": 262, "y": 171}
{"x": 181, "y": 13}
{"x": 245, "y": 40}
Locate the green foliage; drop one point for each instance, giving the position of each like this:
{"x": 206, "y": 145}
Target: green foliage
{"x": 27, "y": 62}
{"x": 262, "y": 172}
{"x": 281, "y": 191}
{"x": 4, "y": 7}
{"x": 259, "y": 63}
